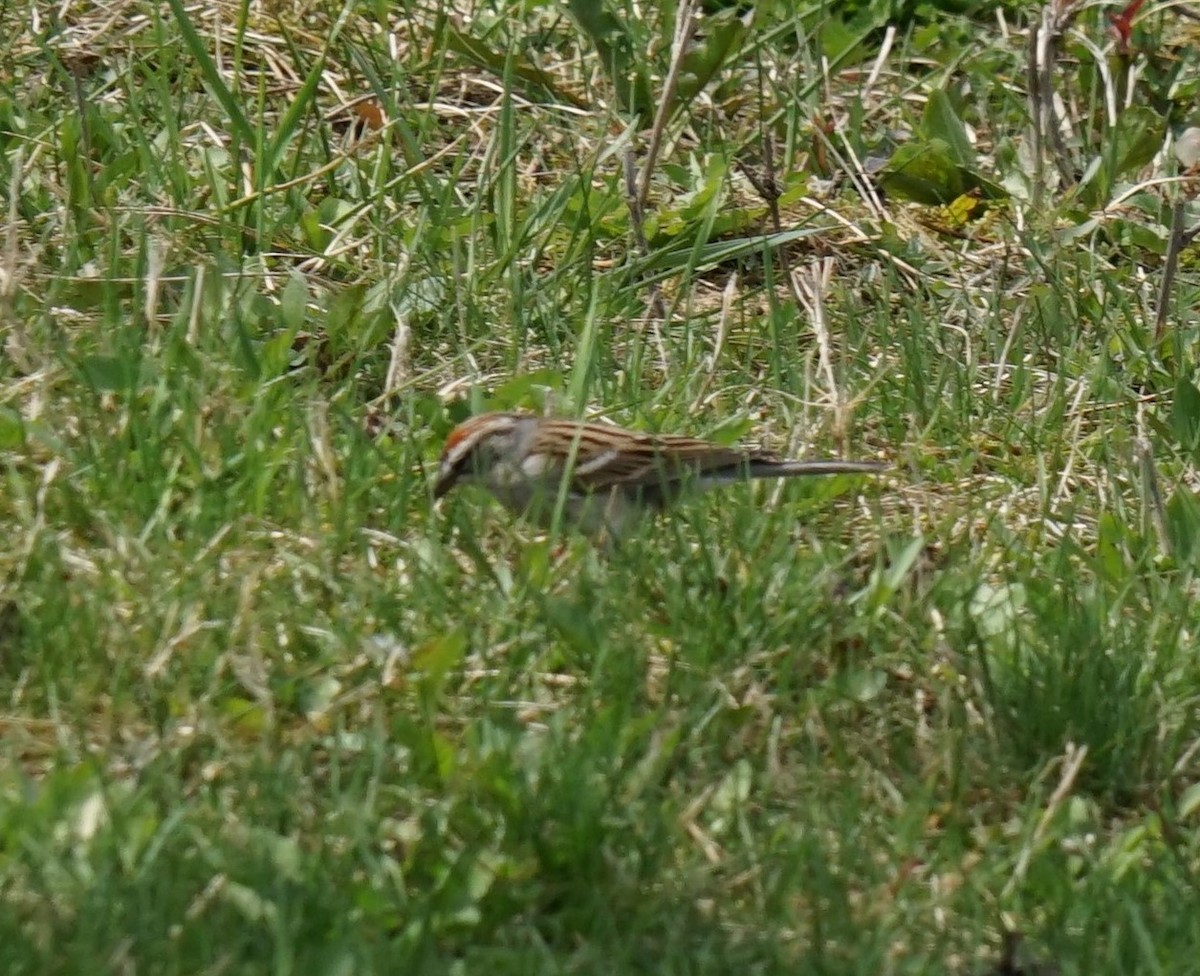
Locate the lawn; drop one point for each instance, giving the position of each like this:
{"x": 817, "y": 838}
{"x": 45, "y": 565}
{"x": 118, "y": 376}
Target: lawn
{"x": 266, "y": 707}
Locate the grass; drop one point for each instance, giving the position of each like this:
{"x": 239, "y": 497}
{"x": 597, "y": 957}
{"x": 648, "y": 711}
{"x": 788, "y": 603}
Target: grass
{"x": 266, "y": 708}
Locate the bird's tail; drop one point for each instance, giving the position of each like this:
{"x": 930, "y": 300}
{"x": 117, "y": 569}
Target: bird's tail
{"x": 760, "y": 468}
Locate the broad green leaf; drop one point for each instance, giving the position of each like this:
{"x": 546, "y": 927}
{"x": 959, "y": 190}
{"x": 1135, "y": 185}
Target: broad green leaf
{"x": 843, "y": 44}
{"x": 574, "y": 627}
{"x": 995, "y": 608}
{"x": 717, "y": 252}
{"x": 12, "y": 429}
{"x": 615, "y": 47}
{"x": 524, "y": 390}
{"x": 251, "y": 904}
{"x": 245, "y": 716}
{"x": 436, "y": 657}
{"x": 723, "y": 34}
{"x": 731, "y": 431}
{"x": 1110, "y": 547}
{"x": 1185, "y": 415}
{"x": 942, "y": 122}
{"x": 498, "y": 62}
{"x": 924, "y": 173}
{"x": 1139, "y": 136}
{"x": 432, "y": 661}
{"x": 110, "y": 373}
{"x": 318, "y": 696}
{"x": 443, "y": 754}
{"x": 901, "y": 561}
{"x": 1183, "y": 524}
{"x": 294, "y": 301}
{"x": 962, "y": 210}
{"x": 734, "y": 790}
{"x": 865, "y": 685}
{"x": 1189, "y": 803}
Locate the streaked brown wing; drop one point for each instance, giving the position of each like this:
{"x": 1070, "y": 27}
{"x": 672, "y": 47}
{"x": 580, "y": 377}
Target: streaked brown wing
{"x": 605, "y": 456}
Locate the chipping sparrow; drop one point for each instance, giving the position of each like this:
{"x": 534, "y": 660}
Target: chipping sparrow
{"x": 603, "y": 476}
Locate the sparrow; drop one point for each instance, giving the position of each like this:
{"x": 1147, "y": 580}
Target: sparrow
{"x": 599, "y": 478}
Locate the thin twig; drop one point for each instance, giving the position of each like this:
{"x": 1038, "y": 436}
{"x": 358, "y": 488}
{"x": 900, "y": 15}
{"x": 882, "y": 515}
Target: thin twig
{"x": 1170, "y": 267}
{"x": 658, "y": 308}
{"x": 1155, "y": 511}
{"x": 634, "y": 202}
{"x": 852, "y": 166}
{"x": 1052, "y": 125}
{"x": 156, "y": 259}
{"x": 398, "y": 365}
{"x": 8, "y": 268}
{"x": 727, "y": 297}
{"x": 1073, "y": 762}
{"x": 638, "y": 191}
{"x": 810, "y": 292}
{"x": 685, "y": 26}
{"x": 1100, "y": 60}
{"x": 1043, "y": 60}
{"x": 885, "y": 48}
{"x": 1033, "y": 82}
{"x": 12, "y": 333}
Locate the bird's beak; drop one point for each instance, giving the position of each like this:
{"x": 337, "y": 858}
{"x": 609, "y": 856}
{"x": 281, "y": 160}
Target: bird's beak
{"x": 447, "y": 477}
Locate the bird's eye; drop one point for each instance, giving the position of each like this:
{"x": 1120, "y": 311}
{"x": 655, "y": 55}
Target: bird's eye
{"x": 476, "y": 460}
{"x": 488, "y": 452}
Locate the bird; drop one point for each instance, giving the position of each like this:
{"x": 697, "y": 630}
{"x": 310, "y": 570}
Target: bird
{"x": 598, "y": 478}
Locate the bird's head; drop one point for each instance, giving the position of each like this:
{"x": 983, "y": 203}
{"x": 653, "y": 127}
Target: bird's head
{"x": 477, "y": 446}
